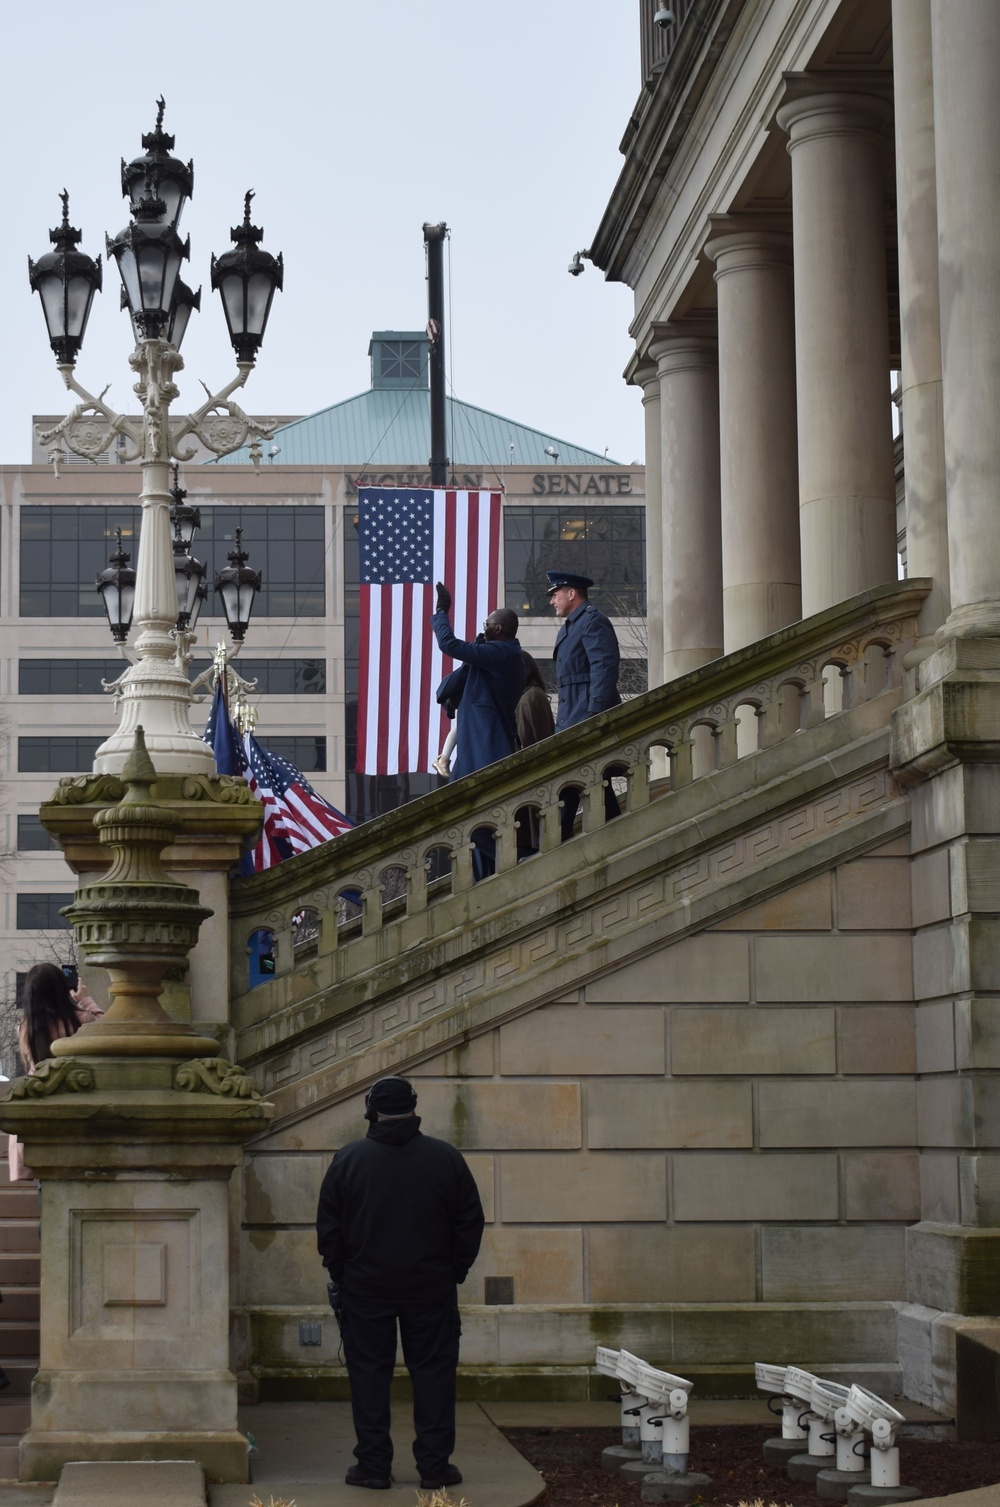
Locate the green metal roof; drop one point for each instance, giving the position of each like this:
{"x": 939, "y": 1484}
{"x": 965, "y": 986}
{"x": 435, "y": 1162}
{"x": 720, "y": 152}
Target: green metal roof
{"x": 391, "y": 427}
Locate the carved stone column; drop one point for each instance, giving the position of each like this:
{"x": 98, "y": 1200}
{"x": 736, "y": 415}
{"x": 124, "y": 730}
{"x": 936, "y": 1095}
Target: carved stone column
{"x": 919, "y": 312}
{"x": 688, "y": 365}
{"x": 761, "y": 569}
{"x": 846, "y": 474}
{"x": 645, "y": 375}
{"x": 966, "y": 56}
{"x": 134, "y": 1128}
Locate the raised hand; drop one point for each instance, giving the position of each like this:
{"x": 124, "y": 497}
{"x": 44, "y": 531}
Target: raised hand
{"x": 443, "y": 598}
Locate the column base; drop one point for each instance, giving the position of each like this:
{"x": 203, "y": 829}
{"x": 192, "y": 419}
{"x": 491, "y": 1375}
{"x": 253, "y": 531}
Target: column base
{"x": 955, "y": 1268}
{"x": 972, "y": 620}
{"x": 223, "y": 1456}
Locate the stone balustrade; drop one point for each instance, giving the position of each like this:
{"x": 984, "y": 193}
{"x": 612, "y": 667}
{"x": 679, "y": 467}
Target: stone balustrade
{"x": 402, "y": 866}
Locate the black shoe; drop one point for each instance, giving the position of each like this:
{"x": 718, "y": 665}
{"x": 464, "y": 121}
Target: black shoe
{"x": 4, "y": 1379}
{"x": 358, "y": 1476}
{"x": 450, "y": 1476}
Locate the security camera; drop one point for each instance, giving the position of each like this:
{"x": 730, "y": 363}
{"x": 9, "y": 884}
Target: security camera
{"x": 663, "y": 17}
{"x": 576, "y": 265}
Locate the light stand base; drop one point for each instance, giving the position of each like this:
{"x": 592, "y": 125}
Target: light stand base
{"x": 835, "y": 1484}
{"x": 778, "y": 1451}
{"x": 866, "y": 1495}
{"x": 671, "y": 1486}
{"x": 617, "y": 1455}
{"x": 807, "y": 1467}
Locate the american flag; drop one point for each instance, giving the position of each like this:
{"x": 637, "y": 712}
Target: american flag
{"x": 410, "y": 538}
{"x": 295, "y": 817}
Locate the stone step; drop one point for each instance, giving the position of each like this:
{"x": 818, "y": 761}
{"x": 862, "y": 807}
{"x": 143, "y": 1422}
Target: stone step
{"x": 15, "y": 1415}
{"x": 8, "y": 1459}
{"x": 19, "y": 1269}
{"x": 20, "y": 1371}
{"x": 18, "y": 1235}
{"x": 19, "y": 1303}
{"x": 19, "y": 1201}
{"x": 17, "y": 1339}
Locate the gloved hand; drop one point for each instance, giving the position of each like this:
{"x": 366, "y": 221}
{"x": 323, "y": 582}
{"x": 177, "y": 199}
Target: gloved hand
{"x": 333, "y": 1293}
{"x": 443, "y": 598}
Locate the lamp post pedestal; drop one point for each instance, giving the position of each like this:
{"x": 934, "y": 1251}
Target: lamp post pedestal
{"x": 133, "y": 1128}
{"x": 134, "y": 1158}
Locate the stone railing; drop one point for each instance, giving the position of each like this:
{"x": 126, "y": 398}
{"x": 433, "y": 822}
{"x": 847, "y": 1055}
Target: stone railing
{"x": 357, "y": 887}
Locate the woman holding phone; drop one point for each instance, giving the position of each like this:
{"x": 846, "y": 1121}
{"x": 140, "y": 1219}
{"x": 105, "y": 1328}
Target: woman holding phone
{"x": 54, "y": 1003}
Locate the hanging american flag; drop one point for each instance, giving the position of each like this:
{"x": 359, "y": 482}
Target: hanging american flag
{"x": 295, "y": 817}
{"x": 409, "y": 539}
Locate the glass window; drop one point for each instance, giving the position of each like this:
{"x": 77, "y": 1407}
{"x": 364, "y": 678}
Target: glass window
{"x": 32, "y": 836}
{"x": 606, "y": 544}
{"x": 48, "y": 755}
{"x": 66, "y": 677}
{"x": 307, "y": 754}
{"x": 41, "y": 912}
{"x": 64, "y": 548}
{"x": 62, "y": 551}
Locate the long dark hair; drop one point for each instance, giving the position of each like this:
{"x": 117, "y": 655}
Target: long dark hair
{"x": 532, "y": 671}
{"x": 47, "y": 1004}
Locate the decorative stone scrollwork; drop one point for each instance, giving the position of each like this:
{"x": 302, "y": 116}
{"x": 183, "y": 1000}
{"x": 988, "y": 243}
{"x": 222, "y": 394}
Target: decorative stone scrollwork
{"x": 86, "y": 789}
{"x": 213, "y": 1075}
{"x": 54, "y": 1075}
{"x": 222, "y": 789}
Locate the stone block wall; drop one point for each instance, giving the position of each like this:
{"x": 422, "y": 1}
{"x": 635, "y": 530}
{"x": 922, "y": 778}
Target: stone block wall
{"x": 719, "y": 1133}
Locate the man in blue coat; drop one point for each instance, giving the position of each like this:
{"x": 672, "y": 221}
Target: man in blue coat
{"x": 487, "y": 728}
{"x": 586, "y": 651}
{"x": 587, "y": 657}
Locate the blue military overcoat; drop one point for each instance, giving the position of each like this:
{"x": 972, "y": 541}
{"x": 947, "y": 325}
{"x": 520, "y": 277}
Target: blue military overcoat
{"x": 487, "y": 729}
{"x": 586, "y": 658}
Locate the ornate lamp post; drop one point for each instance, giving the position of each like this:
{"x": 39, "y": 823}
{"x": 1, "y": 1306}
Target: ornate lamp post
{"x": 155, "y": 692}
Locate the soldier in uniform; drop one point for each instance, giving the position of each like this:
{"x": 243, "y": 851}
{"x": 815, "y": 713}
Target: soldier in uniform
{"x": 586, "y": 651}
{"x": 586, "y": 658}
{"x": 398, "y": 1226}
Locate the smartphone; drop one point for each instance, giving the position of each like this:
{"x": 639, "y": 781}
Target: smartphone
{"x": 71, "y": 975}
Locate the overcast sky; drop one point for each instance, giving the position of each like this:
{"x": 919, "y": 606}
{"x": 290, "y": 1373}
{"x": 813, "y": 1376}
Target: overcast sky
{"x": 355, "y": 121}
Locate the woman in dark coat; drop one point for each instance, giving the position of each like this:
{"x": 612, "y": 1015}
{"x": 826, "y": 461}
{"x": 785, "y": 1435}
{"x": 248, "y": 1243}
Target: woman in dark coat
{"x": 534, "y": 710}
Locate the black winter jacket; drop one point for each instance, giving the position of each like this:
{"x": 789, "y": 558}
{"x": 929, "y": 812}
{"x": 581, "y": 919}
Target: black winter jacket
{"x": 399, "y": 1214}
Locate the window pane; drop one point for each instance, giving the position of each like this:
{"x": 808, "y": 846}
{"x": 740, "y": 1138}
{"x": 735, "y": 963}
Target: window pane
{"x": 48, "y": 755}
{"x": 32, "y": 836}
{"x": 41, "y": 912}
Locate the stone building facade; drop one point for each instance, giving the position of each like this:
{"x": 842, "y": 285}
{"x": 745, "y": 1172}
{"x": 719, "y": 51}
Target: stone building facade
{"x": 726, "y": 1065}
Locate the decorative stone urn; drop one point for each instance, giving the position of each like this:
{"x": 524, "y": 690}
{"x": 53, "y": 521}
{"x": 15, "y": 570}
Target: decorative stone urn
{"x": 133, "y": 1129}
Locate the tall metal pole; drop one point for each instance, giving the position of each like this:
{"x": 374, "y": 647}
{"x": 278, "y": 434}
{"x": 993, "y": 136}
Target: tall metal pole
{"x": 434, "y": 237}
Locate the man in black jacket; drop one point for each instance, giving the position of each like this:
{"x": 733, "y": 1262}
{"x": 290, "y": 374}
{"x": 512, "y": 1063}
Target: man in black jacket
{"x": 398, "y": 1226}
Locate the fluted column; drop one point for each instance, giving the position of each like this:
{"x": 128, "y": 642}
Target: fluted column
{"x": 846, "y": 475}
{"x": 688, "y": 365}
{"x": 966, "y": 60}
{"x": 919, "y": 315}
{"x": 646, "y": 376}
{"x": 761, "y": 570}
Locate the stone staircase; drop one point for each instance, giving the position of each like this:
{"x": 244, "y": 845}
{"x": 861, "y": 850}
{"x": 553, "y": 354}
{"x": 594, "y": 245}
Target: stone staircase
{"x": 19, "y": 1261}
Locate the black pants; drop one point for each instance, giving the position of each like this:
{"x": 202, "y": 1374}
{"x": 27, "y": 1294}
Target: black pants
{"x": 430, "y": 1333}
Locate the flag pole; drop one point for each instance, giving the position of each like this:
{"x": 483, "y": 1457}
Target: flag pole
{"x": 434, "y": 239}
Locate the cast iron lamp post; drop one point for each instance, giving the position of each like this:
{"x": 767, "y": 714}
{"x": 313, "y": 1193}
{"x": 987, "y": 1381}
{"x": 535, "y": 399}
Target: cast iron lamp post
{"x": 155, "y": 691}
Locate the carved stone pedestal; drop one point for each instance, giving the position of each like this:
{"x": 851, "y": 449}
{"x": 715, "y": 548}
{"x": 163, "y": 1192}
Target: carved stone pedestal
{"x": 134, "y": 1158}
